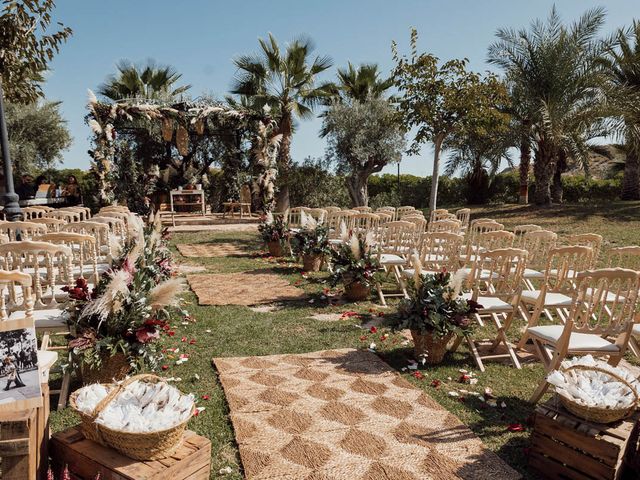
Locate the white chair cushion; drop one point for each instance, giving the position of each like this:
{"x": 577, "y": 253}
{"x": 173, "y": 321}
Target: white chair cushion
{"x": 410, "y": 272}
{"x": 551, "y": 299}
{"x": 490, "y": 304}
{"x": 530, "y": 273}
{"x": 392, "y": 259}
{"x": 46, "y": 318}
{"x": 577, "y": 342}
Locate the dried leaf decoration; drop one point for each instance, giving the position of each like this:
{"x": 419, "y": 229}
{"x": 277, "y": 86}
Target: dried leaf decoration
{"x": 199, "y": 125}
{"x": 167, "y": 129}
{"x": 182, "y": 140}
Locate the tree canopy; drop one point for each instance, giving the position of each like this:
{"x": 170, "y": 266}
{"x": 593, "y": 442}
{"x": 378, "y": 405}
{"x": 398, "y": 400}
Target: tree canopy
{"x": 38, "y": 136}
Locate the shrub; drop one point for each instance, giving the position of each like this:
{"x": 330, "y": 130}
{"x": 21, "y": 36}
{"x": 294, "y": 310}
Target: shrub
{"x": 312, "y": 183}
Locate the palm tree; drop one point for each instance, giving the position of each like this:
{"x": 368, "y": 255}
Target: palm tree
{"x": 149, "y": 81}
{"x": 623, "y": 66}
{"x": 555, "y": 70}
{"x": 362, "y": 83}
{"x": 478, "y": 156}
{"x": 285, "y": 82}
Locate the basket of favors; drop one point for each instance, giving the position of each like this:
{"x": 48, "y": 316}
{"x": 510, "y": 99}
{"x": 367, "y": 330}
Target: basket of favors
{"x": 595, "y": 391}
{"x": 142, "y": 417}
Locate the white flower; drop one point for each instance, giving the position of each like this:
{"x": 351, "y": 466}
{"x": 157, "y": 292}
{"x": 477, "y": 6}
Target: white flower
{"x": 355, "y": 247}
{"x": 268, "y": 218}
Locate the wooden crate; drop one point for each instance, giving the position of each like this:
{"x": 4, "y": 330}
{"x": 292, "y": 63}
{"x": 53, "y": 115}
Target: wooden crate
{"x": 86, "y": 459}
{"x": 564, "y": 446}
{"x": 24, "y": 438}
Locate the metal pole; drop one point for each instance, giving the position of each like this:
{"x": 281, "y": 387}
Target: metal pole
{"x": 11, "y": 207}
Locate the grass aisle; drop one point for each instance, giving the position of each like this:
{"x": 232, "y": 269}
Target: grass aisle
{"x": 239, "y": 331}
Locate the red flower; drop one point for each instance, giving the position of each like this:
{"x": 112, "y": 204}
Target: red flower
{"x": 363, "y": 338}
{"x": 205, "y": 397}
{"x": 171, "y": 333}
{"x": 146, "y": 334}
{"x": 165, "y": 367}
{"x": 418, "y": 375}
{"x": 192, "y": 341}
{"x": 515, "y": 427}
{"x": 381, "y": 314}
{"x": 435, "y": 383}
{"x": 183, "y": 339}
{"x": 373, "y": 330}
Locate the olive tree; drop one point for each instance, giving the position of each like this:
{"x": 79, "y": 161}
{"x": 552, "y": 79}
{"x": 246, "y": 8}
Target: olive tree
{"x": 362, "y": 138}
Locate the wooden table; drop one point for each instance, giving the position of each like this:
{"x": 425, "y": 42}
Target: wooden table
{"x": 188, "y": 193}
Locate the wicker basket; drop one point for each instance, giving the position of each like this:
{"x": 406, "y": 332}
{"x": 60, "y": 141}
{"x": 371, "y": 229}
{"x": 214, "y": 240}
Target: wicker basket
{"x": 113, "y": 367}
{"x": 599, "y": 414}
{"x": 312, "y": 262}
{"x": 139, "y": 446}
{"x": 87, "y": 425}
{"x": 356, "y": 291}
{"x": 431, "y": 347}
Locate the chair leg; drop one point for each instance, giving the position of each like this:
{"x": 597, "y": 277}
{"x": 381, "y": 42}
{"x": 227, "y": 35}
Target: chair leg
{"x": 475, "y": 353}
{"x": 456, "y": 344}
{"x": 533, "y": 321}
{"x": 540, "y": 391}
{"x": 634, "y": 346}
{"x": 64, "y": 390}
{"x": 44, "y": 345}
{"x": 380, "y": 294}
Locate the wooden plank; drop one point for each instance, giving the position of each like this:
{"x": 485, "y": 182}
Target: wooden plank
{"x": 605, "y": 451}
{"x": 86, "y": 458}
{"x": 549, "y": 468}
{"x": 571, "y": 457}
{"x": 18, "y": 445}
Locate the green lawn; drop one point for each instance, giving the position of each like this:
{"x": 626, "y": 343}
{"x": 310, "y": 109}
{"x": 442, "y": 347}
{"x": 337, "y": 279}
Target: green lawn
{"x": 239, "y": 331}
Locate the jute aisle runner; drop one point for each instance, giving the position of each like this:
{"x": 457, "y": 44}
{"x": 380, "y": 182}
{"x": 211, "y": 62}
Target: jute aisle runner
{"x": 212, "y": 250}
{"x": 345, "y": 415}
{"x": 244, "y": 288}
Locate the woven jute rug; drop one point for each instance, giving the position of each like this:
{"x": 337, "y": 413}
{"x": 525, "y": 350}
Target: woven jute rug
{"x": 244, "y": 288}
{"x": 212, "y": 250}
{"x": 345, "y": 415}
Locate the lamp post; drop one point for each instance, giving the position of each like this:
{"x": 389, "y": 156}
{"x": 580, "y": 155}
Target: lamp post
{"x": 11, "y": 207}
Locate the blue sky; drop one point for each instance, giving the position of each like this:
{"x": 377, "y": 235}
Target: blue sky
{"x": 200, "y": 38}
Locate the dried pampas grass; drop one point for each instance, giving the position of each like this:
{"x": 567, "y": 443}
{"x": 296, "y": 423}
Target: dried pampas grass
{"x": 355, "y": 247}
{"x": 166, "y": 293}
{"x": 111, "y": 300}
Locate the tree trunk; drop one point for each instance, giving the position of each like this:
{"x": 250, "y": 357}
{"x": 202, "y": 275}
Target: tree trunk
{"x": 437, "y": 147}
{"x": 631, "y": 178}
{"x": 556, "y": 188}
{"x": 525, "y": 165}
{"x": 543, "y": 169}
{"x": 284, "y": 163}
{"x": 358, "y": 189}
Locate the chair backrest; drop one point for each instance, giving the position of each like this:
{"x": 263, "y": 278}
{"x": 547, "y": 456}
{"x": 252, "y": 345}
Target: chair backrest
{"x": 318, "y": 214}
{"x": 464, "y": 215}
{"x": 385, "y": 216}
{"x": 293, "y": 216}
{"x": 440, "y": 250}
{"x": 120, "y": 215}
{"x": 389, "y": 210}
{"x": 4, "y": 238}
{"x": 495, "y": 239}
{"x": 499, "y": 273}
{"x": 605, "y": 301}
{"x": 83, "y": 249}
{"x": 85, "y": 212}
{"x": 364, "y": 222}
{"x": 450, "y": 226}
{"x": 481, "y": 220}
{"x": 592, "y": 240}
{"x": 538, "y": 243}
{"x": 363, "y": 209}
{"x": 401, "y": 211}
{"x": 478, "y": 228}
{"x": 118, "y": 226}
{"x": 99, "y": 231}
{"x": 47, "y": 263}
{"x": 331, "y": 209}
{"x": 115, "y": 208}
{"x": 564, "y": 264}
{"x": 420, "y": 223}
{"x": 336, "y": 219}
{"x": 52, "y": 224}
{"x": 397, "y": 237}
{"x": 15, "y": 293}
{"x": 30, "y": 213}
{"x": 625, "y": 257}
{"x": 520, "y": 230}
{"x": 438, "y": 214}
{"x": 28, "y": 230}
{"x": 67, "y": 215}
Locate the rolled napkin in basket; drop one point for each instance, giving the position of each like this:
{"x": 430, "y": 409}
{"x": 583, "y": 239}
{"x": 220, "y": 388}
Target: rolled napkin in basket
{"x": 593, "y": 388}
{"x": 141, "y": 407}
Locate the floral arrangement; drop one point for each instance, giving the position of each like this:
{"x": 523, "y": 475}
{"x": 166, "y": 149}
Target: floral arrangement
{"x": 131, "y": 304}
{"x": 435, "y": 307}
{"x": 312, "y": 238}
{"x": 273, "y": 229}
{"x": 354, "y": 261}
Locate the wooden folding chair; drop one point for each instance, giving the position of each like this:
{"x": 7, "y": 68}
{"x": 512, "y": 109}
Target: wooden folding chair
{"x": 363, "y": 209}
{"x": 30, "y": 213}
{"x": 538, "y": 243}
{"x": 84, "y": 254}
{"x": 385, "y": 217}
{"x": 438, "y": 214}
{"x": 318, "y": 214}
{"x": 628, "y": 257}
{"x": 66, "y": 215}
{"x": 331, "y": 209}
{"x": 394, "y": 245}
{"x": 117, "y": 226}
{"x": 420, "y": 223}
{"x": 556, "y": 291}
{"x": 388, "y": 210}
{"x": 102, "y": 234}
{"x": 365, "y": 222}
{"x": 463, "y": 216}
{"x": 592, "y": 240}
{"x": 603, "y": 306}
{"x": 520, "y": 231}
{"x": 445, "y": 226}
{"x": 401, "y": 211}
{"x": 475, "y": 229}
{"x": 437, "y": 251}
{"x": 497, "y": 283}
{"x": 27, "y": 230}
{"x": 293, "y": 217}
{"x": 52, "y": 224}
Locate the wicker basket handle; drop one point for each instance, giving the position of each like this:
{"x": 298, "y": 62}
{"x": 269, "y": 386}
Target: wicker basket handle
{"x": 119, "y": 388}
{"x": 611, "y": 374}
